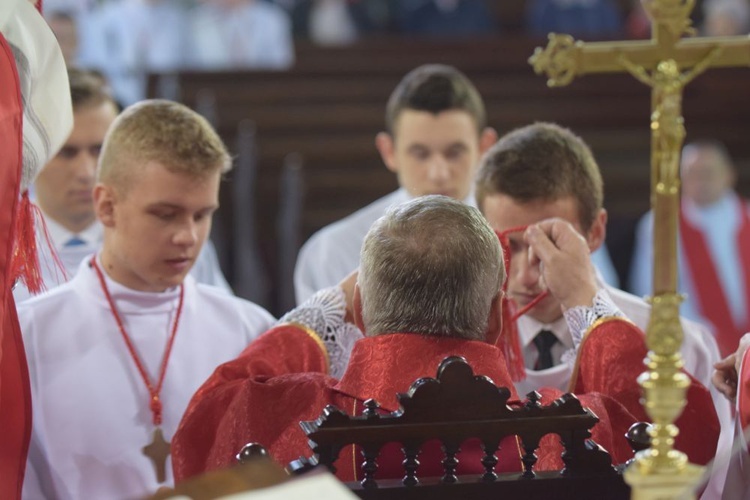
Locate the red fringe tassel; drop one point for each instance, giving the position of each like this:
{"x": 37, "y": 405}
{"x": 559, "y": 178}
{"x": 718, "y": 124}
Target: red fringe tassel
{"x": 25, "y": 265}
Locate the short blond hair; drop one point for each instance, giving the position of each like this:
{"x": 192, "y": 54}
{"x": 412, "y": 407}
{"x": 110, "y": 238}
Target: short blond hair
{"x": 542, "y": 162}
{"x": 161, "y": 131}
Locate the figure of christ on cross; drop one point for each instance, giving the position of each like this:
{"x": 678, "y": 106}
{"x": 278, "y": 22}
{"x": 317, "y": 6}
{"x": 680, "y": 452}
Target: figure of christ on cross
{"x": 667, "y": 63}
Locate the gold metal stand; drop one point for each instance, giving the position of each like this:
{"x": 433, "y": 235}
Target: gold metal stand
{"x": 666, "y": 63}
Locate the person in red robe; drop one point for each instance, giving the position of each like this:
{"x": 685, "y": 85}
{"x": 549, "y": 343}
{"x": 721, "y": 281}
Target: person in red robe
{"x": 730, "y": 473}
{"x": 15, "y": 405}
{"x": 713, "y": 245}
{"x": 429, "y": 286}
{"x": 35, "y": 118}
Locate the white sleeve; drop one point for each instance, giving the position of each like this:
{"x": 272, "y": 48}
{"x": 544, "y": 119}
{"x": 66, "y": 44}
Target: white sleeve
{"x": 580, "y": 319}
{"x": 324, "y": 313}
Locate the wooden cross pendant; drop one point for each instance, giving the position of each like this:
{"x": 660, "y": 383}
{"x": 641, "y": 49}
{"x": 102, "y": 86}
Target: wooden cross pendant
{"x": 157, "y": 452}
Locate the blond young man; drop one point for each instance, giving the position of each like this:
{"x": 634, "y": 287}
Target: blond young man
{"x": 63, "y": 191}
{"x": 116, "y": 353}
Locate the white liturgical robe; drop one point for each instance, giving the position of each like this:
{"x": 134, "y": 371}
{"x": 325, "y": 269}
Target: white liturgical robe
{"x": 91, "y": 406}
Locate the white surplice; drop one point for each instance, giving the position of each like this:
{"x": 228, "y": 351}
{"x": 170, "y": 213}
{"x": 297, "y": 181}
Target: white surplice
{"x": 91, "y": 406}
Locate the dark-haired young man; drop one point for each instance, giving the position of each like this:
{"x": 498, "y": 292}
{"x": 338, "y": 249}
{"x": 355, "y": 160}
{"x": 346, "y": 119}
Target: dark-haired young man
{"x": 436, "y": 131}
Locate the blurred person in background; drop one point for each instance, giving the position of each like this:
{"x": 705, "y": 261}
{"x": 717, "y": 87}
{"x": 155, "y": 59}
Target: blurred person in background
{"x": 714, "y": 245}
{"x": 134, "y": 37}
{"x": 587, "y": 18}
{"x": 446, "y": 18}
{"x": 232, "y": 34}
{"x": 726, "y": 17}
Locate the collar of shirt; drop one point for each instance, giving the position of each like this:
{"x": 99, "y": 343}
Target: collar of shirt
{"x": 722, "y": 213}
{"x": 528, "y": 328}
{"x": 59, "y": 235}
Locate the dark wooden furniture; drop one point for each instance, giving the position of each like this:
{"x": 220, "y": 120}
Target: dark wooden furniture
{"x": 454, "y": 407}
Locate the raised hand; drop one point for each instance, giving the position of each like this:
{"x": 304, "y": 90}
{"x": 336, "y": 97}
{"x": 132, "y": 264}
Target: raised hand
{"x": 564, "y": 260}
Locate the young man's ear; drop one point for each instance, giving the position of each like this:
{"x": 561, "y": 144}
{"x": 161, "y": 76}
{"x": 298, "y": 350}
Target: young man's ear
{"x": 598, "y": 232}
{"x": 386, "y": 148}
{"x": 104, "y": 204}
{"x": 487, "y": 139}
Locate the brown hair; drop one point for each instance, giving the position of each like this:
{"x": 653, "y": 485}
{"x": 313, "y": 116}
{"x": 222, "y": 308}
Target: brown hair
{"x": 88, "y": 89}
{"x": 546, "y": 162}
{"x": 432, "y": 266}
{"x": 165, "y": 132}
{"x": 435, "y": 88}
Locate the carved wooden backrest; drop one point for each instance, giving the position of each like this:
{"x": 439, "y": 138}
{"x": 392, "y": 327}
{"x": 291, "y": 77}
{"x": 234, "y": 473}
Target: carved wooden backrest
{"x": 454, "y": 407}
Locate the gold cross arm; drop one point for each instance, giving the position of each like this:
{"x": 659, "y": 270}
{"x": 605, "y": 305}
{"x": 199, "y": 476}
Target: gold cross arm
{"x": 564, "y": 58}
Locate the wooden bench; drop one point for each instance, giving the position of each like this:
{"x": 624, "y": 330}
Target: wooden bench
{"x": 454, "y": 407}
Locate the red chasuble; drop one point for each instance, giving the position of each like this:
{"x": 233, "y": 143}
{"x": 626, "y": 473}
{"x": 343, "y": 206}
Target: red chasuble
{"x": 15, "y": 399}
{"x": 710, "y": 295}
{"x": 609, "y": 362}
{"x": 281, "y": 379}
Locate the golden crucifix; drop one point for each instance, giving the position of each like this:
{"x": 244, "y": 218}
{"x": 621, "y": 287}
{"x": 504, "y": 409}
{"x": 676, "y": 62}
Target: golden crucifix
{"x": 666, "y": 63}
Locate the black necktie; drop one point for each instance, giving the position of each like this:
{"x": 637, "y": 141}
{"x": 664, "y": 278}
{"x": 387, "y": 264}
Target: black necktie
{"x": 543, "y": 342}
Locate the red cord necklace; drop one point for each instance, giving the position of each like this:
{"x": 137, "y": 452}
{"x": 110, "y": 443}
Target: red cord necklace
{"x": 158, "y": 450}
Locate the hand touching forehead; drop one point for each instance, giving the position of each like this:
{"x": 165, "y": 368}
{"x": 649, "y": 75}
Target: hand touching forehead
{"x": 563, "y": 256}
